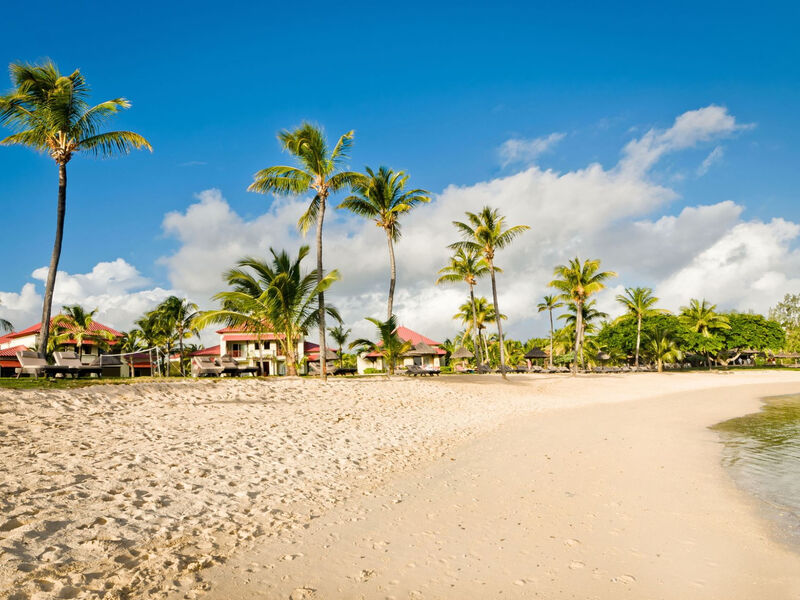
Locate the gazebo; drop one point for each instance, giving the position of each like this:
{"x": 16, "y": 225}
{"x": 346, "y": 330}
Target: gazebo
{"x": 461, "y": 353}
{"x": 535, "y": 353}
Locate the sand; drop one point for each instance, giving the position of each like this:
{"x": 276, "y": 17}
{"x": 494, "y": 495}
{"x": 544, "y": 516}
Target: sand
{"x": 549, "y": 486}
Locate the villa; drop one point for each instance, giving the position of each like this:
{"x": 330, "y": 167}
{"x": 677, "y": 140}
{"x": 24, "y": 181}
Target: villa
{"x": 425, "y": 353}
{"x": 249, "y": 348}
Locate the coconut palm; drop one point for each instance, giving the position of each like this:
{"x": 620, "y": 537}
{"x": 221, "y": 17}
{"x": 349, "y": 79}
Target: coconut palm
{"x": 639, "y": 304}
{"x": 340, "y": 335}
{"x": 486, "y": 233}
{"x": 389, "y": 345}
{"x": 177, "y": 315}
{"x": 577, "y": 281}
{"x": 483, "y": 313}
{"x": 320, "y": 172}
{"x": 382, "y": 197}
{"x": 701, "y": 317}
{"x": 275, "y": 294}
{"x": 49, "y": 112}
{"x": 76, "y": 325}
{"x": 661, "y": 346}
{"x": 466, "y": 266}
{"x": 549, "y": 304}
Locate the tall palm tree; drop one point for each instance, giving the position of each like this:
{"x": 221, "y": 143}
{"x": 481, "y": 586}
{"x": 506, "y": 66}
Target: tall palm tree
{"x": 77, "y": 325}
{"x": 550, "y": 303}
{"x": 320, "y": 172}
{"x": 577, "y": 281}
{"x": 382, "y": 197}
{"x": 390, "y": 345}
{"x": 701, "y": 316}
{"x": 49, "y": 112}
{"x": 486, "y": 233}
{"x": 279, "y": 295}
{"x": 340, "y": 335}
{"x": 661, "y": 346}
{"x": 639, "y": 304}
{"x": 466, "y": 266}
{"x": 483, "y": 313}
{"x": 176, "y": 315}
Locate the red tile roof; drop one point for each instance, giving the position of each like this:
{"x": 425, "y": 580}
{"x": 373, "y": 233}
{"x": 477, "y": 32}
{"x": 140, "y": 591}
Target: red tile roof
{"x": 250, "y": 337}
{"x": 408, "y": 335}
{"x": 33, "y": 329}
{"x": 212, "y": 351}
{"x": 12, "y": 352}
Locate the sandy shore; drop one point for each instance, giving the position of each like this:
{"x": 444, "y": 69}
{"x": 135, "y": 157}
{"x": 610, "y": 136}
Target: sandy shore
{"x": 454, "y": 488}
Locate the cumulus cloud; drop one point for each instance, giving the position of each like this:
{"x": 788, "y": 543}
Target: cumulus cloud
{"x": 522, "y": 150}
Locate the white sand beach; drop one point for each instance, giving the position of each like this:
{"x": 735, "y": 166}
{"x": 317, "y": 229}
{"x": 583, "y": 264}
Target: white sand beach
{"x": 460, "y": 487}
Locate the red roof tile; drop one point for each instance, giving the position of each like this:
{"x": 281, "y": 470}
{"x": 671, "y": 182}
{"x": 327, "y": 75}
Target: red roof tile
{"x": 212, "y": 351}
{"x": 408, "y": 335}
{"x": 12, "y": 352}
{"x": 35, "y": 329}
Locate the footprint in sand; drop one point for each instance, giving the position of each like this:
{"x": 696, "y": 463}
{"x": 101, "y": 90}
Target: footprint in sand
{"x": 303, "y": 593}
{"x": 625, "y": 579}
{"x": 576, "y": 564}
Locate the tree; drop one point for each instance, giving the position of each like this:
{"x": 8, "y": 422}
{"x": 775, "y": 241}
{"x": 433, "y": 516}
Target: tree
{"x": 639, "y": 303}
{"x": 176, "y": 316}
{"x": 276, "y": 294}
{"x": 5, "y": 325}
{"x": 466, "y": 266}
{"x": 486, "y": 233}
{"x": 320, "y": 172}
{"x": 550, "y": 303}
{"x": 382, "y": 197}
{"x": 390, "y": 345}
{"x": 577, "y": 281}
{"x": 77, "y": 325}
{"x": 702, "y": 318}
{"x": 49, "y": 112}
{"x": 483, "y": 314}
{"x": 787, "y": 312}
{"x": 661, "y": 346}
{"x": 748, "y": 331}
{"x": 340, "y": 335}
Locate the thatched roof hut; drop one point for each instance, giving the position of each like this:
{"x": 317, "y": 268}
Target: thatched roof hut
{"x": 535, "y": 353}
{"x": 461, "y": 353}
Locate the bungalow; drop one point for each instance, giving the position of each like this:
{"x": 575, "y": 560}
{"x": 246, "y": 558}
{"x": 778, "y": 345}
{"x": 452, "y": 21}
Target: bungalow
{"x": 251, "y": 349}
{"x": 424, "y": 352}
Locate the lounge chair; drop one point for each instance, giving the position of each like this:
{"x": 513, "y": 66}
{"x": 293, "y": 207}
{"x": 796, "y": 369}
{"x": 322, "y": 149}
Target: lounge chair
{"x": 315, "y": 369}
{"x": 34, "y": 364}
{"x": 74, "y": 365}
{"x": 205, "y": 366}
{"x": 482, "y": 369}
{"x": 415, "y": 370}
{"x": 231, "y": 367}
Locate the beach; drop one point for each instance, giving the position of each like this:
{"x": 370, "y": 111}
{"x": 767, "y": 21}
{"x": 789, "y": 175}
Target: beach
{"x": 459, "y": 487}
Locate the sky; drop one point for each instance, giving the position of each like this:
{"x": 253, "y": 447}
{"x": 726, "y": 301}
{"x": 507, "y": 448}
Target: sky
{"x": 661, "y": 140}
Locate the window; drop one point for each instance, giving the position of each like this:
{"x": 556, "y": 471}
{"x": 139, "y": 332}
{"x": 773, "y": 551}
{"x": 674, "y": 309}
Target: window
{"x": 235, "y": 350}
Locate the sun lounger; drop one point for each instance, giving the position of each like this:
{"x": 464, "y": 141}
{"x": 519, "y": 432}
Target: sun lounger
{"x": 482, "y": 369}
{"x": 34, "y": 364}
{"x": 346, "y": 371}
{"x": 74, "y": 365}
{"x": 205, "y": 366}
{"x": 231, "y": 367}
{"x": 414, "y": 370}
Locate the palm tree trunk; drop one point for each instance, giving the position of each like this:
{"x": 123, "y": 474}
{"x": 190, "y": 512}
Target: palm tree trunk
{"x": 638, "y": 339}
{"x": 260, "y": 354}
{"x": 578, "y": 336}
{"x": 485, "y": 346}
{"x": 550, "y": 358}
{"x": 323, "y": 350}
{"x": 499, "y": 322}
{"x": 180, "y": 351}
{"x": 291, "y": 358}
{"x": 393, "y": 277}
{"x": 475, "y": 331}
{"x": 44, "y": 332}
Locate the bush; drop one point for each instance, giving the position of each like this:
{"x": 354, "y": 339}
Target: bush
{"x": 372, "y": 371}
{"x": 446, "y": 369}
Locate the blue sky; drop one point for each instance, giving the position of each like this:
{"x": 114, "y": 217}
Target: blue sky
{"x": 434, "y": 89}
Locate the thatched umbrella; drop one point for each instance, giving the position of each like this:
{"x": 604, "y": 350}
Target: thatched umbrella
{"x": 536, "y": 353}
{"x": 461, "y": 353}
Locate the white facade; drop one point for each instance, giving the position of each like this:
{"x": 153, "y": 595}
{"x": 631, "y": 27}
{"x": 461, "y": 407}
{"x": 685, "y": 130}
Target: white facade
{"x": 251, "y": 353}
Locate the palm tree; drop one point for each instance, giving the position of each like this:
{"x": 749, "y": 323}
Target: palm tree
{"x": 639, "y": 304}
{"x": 466, "y": 266}
{"x": 320, "y": 172}
{"x": 549, "y": 304}
{"x": 5, "y": 325}
{"x": 577, "y": 281}
{"x": 77, "y": 325}
{"x": 661, "y": 346}
{"x": 49, "y": 112}
{"x": 702, "y": 317}
{"x": 483, "y": 313}
{"x": 176, "y": 315}
{"x": 340, "y": 335}
{"x": 279, "y": 294}
{"x": 382, "y": 197}
{"x": 486, "y": 233}
{"x": 390, "y": 345}
{"x": 130, "y": 342}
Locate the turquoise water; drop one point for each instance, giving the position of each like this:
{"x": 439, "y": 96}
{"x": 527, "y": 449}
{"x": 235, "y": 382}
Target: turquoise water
{"x": 762, "y": 453}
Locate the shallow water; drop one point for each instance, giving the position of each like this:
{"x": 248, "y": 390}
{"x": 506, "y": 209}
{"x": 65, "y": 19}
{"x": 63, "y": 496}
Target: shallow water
{"x": 762, "y": 452}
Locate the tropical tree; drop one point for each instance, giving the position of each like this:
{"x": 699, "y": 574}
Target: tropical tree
{"x": 340, "y": 335}
{"x": 549, "y": 304}
{"x": 483, "y": 313}
{"x": 577, "y": 281}
{"x": 638, "y": 303}
{"x": 76, "y": 324}
{"x": 701, "y": 317}
{"x": 590, "y": 317}
{"x": 320, "y": 172}
{"x": 382, "y": 197}
{"x": 49, "y": 112}
{"x": 5, "y": 325}
{"x": 485, "y": 233}
{"x": 389, "y": 345}
{"x": 661, "y": 346}
{"x": 176, "y": 316}
{"x": 467, "y": 266}
{"x": 275, "y": 294}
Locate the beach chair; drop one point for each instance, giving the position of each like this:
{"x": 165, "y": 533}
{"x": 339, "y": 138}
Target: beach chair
{"x": 34, "y": 364}
{"x": 74, "y": 366}
{"x": 205, "y": 366}
{"x": 234, "y": 369}
{"x": 483, "y": 369}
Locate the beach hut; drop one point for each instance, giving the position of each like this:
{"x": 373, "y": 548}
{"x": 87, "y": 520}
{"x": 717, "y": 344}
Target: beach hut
{"x": 424, "y": 352}
{"x": 461, "y": 355}
{"x": 535, "y": 353}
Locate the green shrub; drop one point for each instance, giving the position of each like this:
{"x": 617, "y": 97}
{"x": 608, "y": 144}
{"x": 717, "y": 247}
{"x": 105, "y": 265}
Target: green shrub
{"x": 371, "y": 371}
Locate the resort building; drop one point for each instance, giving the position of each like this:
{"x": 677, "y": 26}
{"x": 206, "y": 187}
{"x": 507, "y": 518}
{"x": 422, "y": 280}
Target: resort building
{"x": 424, "y": 353}
{"x": 249, "y": 349}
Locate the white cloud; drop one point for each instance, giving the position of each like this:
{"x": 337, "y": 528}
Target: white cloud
{"x": 713, "y": 157}
{"x": 522, "y": 150}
